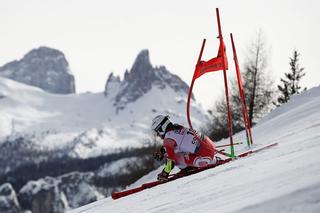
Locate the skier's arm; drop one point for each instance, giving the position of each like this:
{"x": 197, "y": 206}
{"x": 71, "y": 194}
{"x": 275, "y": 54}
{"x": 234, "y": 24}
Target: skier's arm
{"x": 169, "y": 145}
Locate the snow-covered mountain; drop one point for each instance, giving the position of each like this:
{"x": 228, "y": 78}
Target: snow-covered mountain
{"x": 140, "y": 80}
{"x": 285, "y": 178}
{"x": 43, "y": 67}
{"x": 87, "y": 143}
{"x": 94, "y": 123}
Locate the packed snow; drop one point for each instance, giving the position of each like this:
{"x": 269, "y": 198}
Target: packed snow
{"x": 284, "y": 178}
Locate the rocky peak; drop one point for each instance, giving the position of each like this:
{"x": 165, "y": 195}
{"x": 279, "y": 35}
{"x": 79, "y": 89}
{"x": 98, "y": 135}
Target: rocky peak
{"x": 142, "y": 63}
{"x": 43, "y": 67}
{"x": 112, "y": 84}
{"x": 141, "y": 69}
{"x": 140, "y": 79}
{"x": 44, "y": 53}
{"x": 113, "y": 79}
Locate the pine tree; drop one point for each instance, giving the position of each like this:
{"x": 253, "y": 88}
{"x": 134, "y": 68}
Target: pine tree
{"x": 290, "y": 85}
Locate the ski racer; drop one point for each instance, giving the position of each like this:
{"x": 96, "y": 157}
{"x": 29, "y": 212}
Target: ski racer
{"x": 182, "y": 147}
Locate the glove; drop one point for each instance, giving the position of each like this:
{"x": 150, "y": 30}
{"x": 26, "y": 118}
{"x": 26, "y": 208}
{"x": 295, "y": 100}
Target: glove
{"x": 163, "y": 176}
{"x": 158, "y": 156}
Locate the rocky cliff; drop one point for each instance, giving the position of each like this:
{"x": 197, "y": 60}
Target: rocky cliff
{"x": 43, "y": 67}
{"x": 140, "y": 79}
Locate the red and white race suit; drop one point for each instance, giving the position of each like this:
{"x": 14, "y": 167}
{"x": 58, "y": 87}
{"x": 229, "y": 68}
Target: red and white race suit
{"x": 185, "y": 149}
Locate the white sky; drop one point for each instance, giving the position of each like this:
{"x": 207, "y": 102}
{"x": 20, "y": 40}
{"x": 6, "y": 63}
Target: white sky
{"x": 102, "y": 36}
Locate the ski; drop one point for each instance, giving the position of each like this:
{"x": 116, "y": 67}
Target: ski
{"x": 117, "y": 195}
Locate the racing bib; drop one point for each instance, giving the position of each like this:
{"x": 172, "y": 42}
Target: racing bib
{"x": 185, "y": 139}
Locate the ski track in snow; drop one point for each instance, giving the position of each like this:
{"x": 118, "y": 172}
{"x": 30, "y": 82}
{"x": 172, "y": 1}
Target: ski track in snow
{"x": 284, "y": 178}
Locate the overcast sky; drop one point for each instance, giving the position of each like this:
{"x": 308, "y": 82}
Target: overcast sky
{"x": 101, "y": 36}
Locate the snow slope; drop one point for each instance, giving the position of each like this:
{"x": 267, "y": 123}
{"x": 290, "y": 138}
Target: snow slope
{"x": 91, "y": 118}
{"x": 285, "y": 178}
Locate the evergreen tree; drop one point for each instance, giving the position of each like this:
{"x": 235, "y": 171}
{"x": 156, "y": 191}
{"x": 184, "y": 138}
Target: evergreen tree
{"x": 290, "y": 85}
